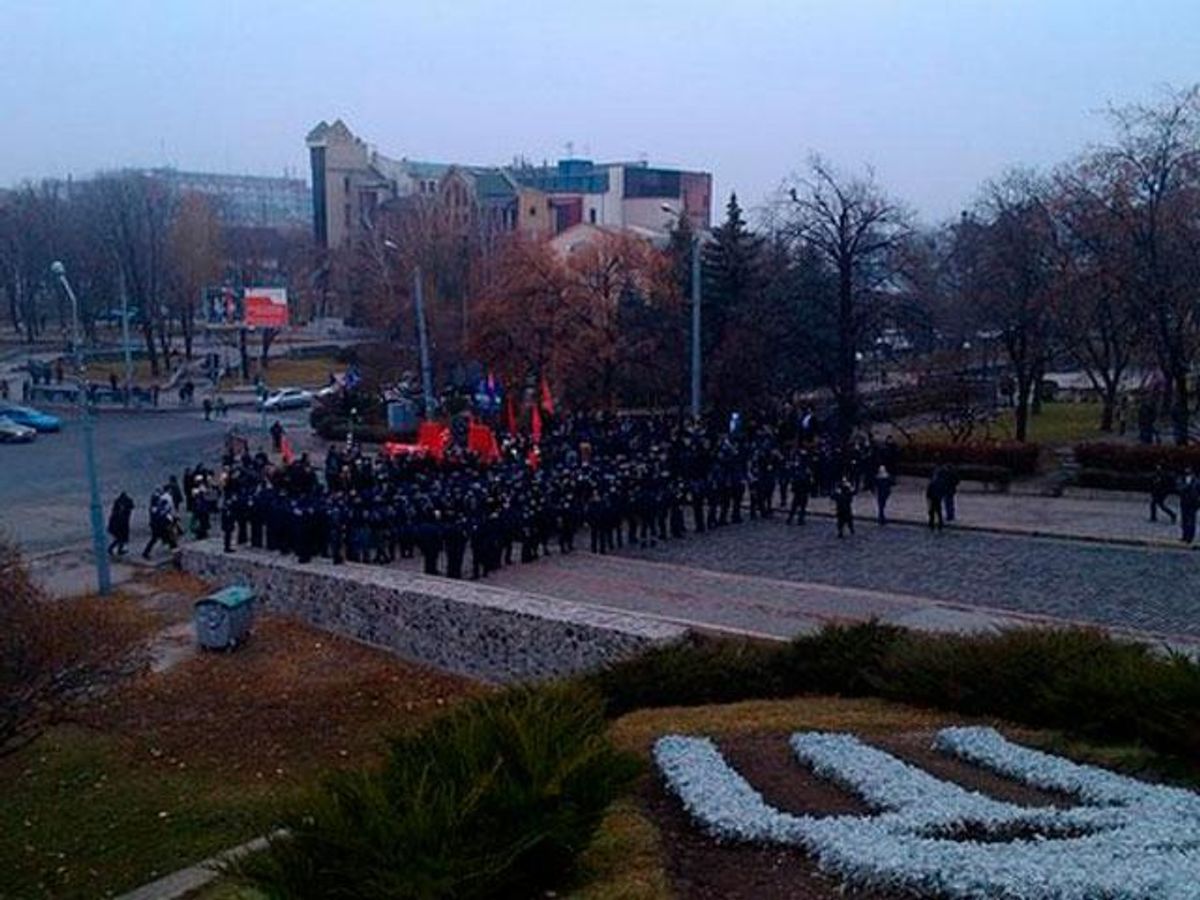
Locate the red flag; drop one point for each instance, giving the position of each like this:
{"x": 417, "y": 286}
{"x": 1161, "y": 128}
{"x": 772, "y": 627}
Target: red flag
{"x": 285, "y": 450}
{"x": 547, "y": 400}
{"x": 535, "y": 426}
{"x": 510, "y": 416}
{"x": 534, "y": 458}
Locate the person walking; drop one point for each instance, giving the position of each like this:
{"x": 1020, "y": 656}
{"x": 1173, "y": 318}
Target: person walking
{"x": 162, "y": 521}
{"x": 1161, "y": 485}
{"x": 950, "y": 481}
{"x": 843, "y": 502}
{"x": 883, "y": 490}
{"x": 118, "y": 524}
{"x": 1189, "y": 503}
{"x": 277, "y": 436}
{"x": 933, "y": 498}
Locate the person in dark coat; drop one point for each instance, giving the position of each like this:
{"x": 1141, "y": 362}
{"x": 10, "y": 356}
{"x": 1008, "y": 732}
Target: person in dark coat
{"x": 1189, "y": 503}
{"x": 933, "y": 498}
{"x": 429, "y": 540}
{"x": 950, "y": 481}
{"x": 118, "y": 524}
{"x": 1161, "y": 485}
{"x": 882, "y": 483}
{"x": 843, "y": 502}
{"x": 228, "y": 520}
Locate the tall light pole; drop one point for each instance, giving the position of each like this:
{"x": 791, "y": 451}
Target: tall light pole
{"x": 103, "y": 580}
{"x": 422, "y": 333}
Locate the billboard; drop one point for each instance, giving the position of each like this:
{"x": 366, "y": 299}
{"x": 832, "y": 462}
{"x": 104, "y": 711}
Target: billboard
{"x": 252, "y": 307}
{"x": 266, "y": 307}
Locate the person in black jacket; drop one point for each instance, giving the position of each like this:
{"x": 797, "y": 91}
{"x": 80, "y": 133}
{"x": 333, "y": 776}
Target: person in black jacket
{"x": 1161, "y": 486}
{"x": 118, "y": 524}
{"x": 1189, "y": 503}
{"x": 843, "y": 502}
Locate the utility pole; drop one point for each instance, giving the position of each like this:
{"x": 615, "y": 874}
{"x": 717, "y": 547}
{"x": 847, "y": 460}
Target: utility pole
{"x": 103, "y": 580}
{"x": 125, "y": 338}
{"x": 696, "y": 327}
{"x": 423, "y": 341}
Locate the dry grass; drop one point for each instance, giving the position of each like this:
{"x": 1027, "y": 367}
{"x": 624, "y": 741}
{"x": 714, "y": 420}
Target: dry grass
{"x": 638, "y": 730}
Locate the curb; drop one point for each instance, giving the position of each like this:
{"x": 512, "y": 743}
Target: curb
{"x": 185, "y": 881}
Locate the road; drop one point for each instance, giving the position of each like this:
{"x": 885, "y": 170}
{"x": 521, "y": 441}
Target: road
{"x": 43, "y": 485}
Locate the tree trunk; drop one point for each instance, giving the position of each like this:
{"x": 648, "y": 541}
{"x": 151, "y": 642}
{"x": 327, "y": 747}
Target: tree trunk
{"x": 244, "y": 355}
{"x": 188, "y": 326}
{"x": 151, "y": 349}
{"x": 847, "y": 377}
{"x": 1179, "y": 408}
{"x": 1109, "y": 406}
{"x": 1021, "y": 413}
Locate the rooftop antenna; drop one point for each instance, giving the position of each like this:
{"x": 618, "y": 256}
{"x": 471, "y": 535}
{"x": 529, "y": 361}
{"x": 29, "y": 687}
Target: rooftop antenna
{"x": 570, "y": 145}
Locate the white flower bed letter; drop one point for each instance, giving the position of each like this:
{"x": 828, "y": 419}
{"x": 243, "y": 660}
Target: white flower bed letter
{"x": 1129, "y": 841}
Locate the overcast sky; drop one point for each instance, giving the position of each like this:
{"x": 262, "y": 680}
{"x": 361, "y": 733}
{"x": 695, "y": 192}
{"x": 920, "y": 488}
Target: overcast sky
{"x": 936, "y": 96}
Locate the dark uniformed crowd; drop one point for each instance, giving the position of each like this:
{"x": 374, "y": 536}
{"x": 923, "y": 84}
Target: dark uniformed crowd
{"x": 625, "y": 480}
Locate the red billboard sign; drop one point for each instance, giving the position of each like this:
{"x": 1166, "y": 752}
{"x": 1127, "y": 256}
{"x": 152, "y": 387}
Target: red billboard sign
{"x": 266, "y": 307}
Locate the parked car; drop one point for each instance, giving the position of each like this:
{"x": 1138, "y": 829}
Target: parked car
{"x": 14, "y": 433}
{"x": 287, "y": 398}
{"x": 31, "y": 418}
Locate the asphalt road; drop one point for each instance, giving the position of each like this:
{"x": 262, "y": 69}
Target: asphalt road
{"x": 43, "y": 485}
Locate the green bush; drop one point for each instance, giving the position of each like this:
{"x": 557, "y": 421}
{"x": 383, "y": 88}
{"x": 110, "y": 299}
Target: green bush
{"x": 691, "y": 672}
{"x": 989, "y": 474}
{"x": 1078, "y": 680}
{"x": 494, "y": 799}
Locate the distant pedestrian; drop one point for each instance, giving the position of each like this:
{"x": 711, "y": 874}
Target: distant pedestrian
{"x": 220, "y": 408}
{"x": 162, "y": 521}
{"x": 1161, "y": 485}
{"x": 933, "y": 499}
{"x": 208, "y": 408}
{"x": 950, "y": 481}
{"x": 1189, "y": 503}
{"x": 883, "y": 490}
{"x": 843, "y": 503}
{"x": 118, "y": 524}
{"x": 112, "y": 381}
{"x": 277, "y": 436}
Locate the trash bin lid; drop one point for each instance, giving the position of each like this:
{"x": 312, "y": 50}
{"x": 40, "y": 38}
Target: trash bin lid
{"x": 230, "y": 597}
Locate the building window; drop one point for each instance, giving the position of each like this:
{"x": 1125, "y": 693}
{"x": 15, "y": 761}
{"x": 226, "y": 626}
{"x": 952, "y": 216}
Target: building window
{"x": 533, "y": 210}
{"x": 347, "y": 211}
{"x": 592, "y": 215}
{"x": 346, "y": 183}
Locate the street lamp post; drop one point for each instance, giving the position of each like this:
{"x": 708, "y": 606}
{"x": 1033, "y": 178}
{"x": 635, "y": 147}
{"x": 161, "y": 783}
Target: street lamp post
{"x": 103, "y": 579}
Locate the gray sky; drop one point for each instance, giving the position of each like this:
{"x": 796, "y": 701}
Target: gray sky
{"x": 937, "y": 96}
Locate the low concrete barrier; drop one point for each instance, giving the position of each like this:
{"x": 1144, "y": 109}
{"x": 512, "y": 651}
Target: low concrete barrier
{"x": 461, "y": 626}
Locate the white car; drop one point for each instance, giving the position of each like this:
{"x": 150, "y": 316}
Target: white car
{"x": 14, "y": 432}
{"x": 287, "y": 398}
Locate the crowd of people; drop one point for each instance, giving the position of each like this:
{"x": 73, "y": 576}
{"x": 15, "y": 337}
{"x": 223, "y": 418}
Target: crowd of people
{"x": 624, "y": 480}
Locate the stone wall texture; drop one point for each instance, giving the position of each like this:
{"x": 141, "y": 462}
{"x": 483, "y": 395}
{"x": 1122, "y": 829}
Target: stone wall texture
{"x": 460, "y": 626}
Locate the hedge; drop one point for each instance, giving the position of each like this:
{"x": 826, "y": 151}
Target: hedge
{"x": 1137, "y": 458}
{"x": 1077, "y": 680}
{"x": 997, "y": 475}
{"x": 1111, "y": 480}
{"x": 1018, "y": 458}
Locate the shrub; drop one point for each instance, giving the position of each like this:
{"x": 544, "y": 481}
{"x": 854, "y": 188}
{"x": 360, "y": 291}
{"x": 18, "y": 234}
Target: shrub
{"x": 1018, "y": 458}
{"x": 1110, "y": 480}
{"x": 1077, "y": 680}
{"x": 494, "y": 799}
{"x": 989, "y": 474}
{"x": 1140, "y": 459}
{"x": 53, "y": 653}
{"x": 691, "y": 672}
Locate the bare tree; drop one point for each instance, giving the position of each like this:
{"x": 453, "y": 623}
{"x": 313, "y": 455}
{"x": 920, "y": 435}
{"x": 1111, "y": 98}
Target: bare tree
{"x": 1005, "y": 253}
{"x": 858, "y": 232}
{"x": 194, "y": 252}
{"x": 1154, "y": 162}
{"x": 1097, "y": 317}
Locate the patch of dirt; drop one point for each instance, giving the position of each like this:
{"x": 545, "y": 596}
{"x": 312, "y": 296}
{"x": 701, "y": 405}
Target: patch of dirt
{"x": 291, "y": 699}
{"x": 703, "y": 868}
{"x": 916, "y": 747}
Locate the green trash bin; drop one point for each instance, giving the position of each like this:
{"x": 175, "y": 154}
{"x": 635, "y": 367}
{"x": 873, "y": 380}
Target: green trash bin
{"x": 223, "y": 618}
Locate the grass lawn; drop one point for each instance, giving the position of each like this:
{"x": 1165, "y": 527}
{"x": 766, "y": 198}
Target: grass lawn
{"x": 1058, "y": 423}
{"x": 309, "y": 373}
{"x": 172, "y": 768}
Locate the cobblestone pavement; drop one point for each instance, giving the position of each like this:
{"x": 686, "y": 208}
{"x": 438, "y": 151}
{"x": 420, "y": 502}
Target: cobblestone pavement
{"x": 1144, "y": 589}
{"x": 1110, "y": 516}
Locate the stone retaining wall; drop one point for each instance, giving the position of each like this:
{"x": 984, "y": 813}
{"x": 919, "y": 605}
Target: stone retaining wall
{"x": 460, "y": 626}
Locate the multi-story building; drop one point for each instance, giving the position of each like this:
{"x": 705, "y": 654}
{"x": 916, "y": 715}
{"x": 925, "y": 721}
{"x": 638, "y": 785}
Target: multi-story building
{"x": 351, "y": 181}
{"x": 246, "y": 201}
